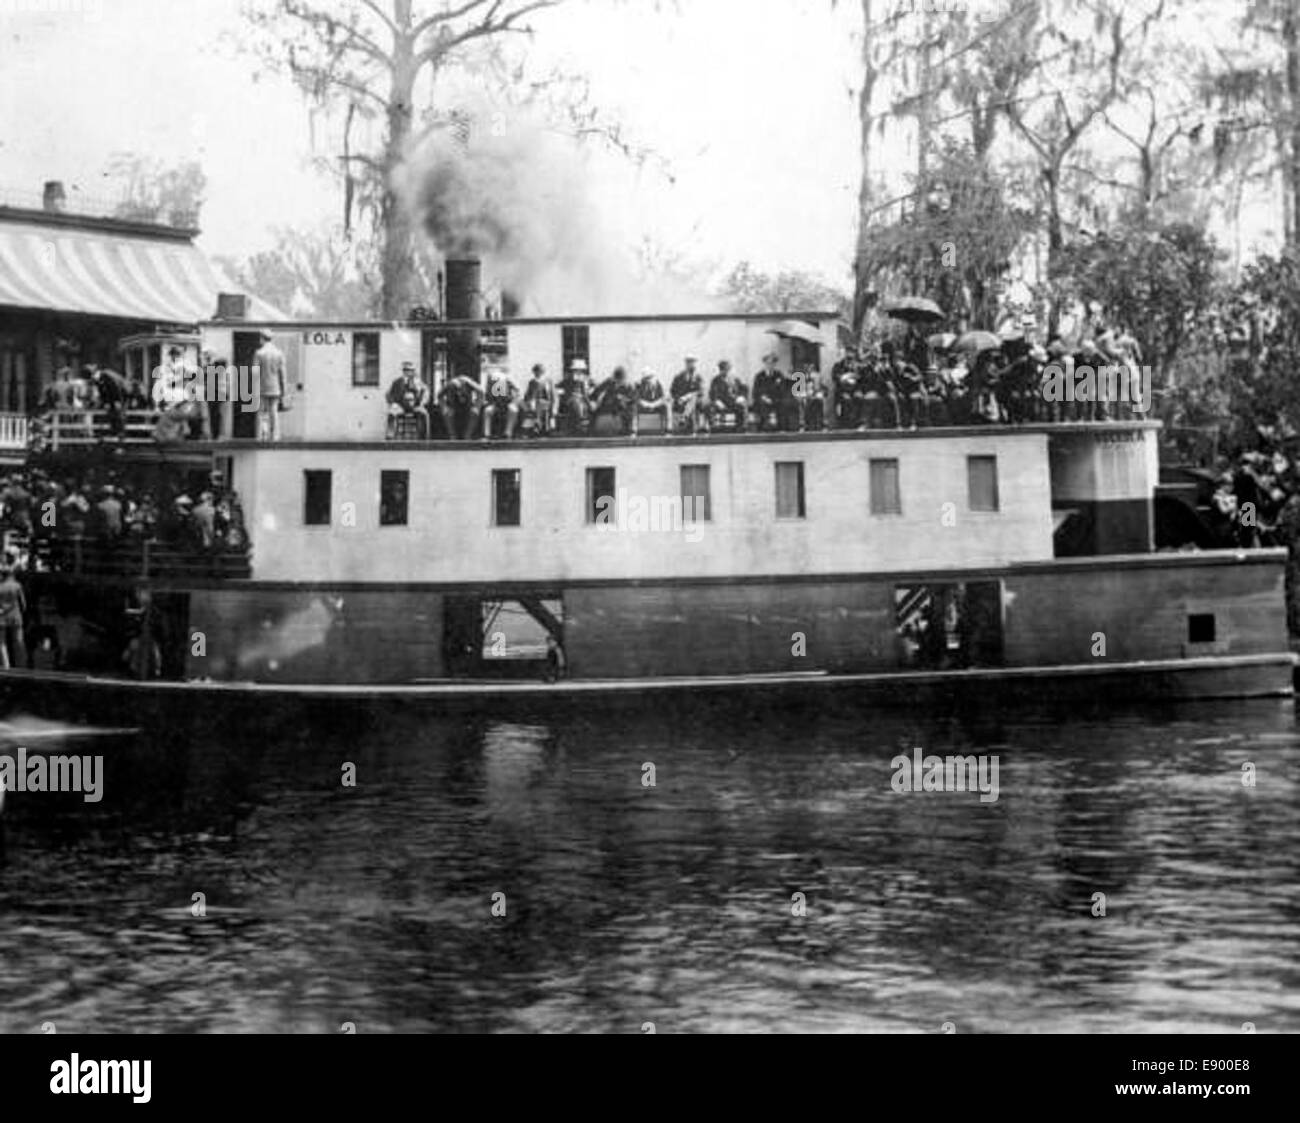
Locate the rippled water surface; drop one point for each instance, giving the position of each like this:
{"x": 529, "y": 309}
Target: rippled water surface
{"x": 671, "y": 904}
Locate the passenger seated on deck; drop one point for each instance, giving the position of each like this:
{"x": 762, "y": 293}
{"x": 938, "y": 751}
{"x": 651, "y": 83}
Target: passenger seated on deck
{"x": 539, "y": 401}
{"x": 615, "y": 397}
{"x": 458, "y": 403}
{"x": 408, "y": 396}
{"x": 574, "y": 408}
{"x": 728, "y": 395}
{"x": 650, "y": 398}
{"x": 879, "y": 394}
{"x": 688, "y": 397}
{"x": 502, "y": 401}
{"x": 769, "y": 388}
{"x": 810, "y": 397}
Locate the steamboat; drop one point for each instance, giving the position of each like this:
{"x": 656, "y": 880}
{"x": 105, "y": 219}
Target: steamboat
{"x": 380, "y": 564}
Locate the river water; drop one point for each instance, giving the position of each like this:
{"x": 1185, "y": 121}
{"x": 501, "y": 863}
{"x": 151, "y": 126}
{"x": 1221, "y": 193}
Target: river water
{"x": 326, "y": 906}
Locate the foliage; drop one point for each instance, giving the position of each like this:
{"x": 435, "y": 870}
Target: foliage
{"x": 1157, "y": 281}
{"x": 957, "y": 238}
{"x": 746, "y": 289}
{"x": 154, "y": 193}
{"x": 312, "y": 273}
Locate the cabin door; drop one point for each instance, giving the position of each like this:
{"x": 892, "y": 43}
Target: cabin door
{"x": 244, "y": 346}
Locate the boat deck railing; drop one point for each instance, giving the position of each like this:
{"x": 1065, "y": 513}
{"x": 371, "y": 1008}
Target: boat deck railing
{"x": 92, "y": 426}
{"x": 129, "y": 558}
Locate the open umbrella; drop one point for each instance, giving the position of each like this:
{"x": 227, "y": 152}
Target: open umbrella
{"x": 977, "y": 341}
{"x": 942, "y": 341}
{"x": 796, "y": 329}
{"x": 913, "y": 309}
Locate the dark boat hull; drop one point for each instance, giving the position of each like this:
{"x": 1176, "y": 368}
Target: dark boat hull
{"x": 1085, "y": 687}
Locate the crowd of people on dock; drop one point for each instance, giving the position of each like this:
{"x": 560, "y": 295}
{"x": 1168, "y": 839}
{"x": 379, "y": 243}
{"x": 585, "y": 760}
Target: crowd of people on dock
{"x": 45, "y": 516}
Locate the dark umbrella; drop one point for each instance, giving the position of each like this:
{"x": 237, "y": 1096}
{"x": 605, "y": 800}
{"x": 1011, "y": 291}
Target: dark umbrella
{"x": 913, "y": 309}
{"x": 978, "y": 341}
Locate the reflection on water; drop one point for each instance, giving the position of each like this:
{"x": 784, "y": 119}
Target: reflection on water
{"x": 670, "y": 904}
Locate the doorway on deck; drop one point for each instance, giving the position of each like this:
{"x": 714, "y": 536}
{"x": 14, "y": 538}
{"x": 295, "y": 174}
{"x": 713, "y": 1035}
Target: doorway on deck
{"x": 244, "y": 345}
{"x": 520, "y": 635}
{"x": 948, "y": 625}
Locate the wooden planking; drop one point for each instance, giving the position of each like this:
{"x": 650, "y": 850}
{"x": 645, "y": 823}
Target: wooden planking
{"x": 299, "y": 637}
{"x": 1053, "y": 617}
{"x": 728, "y": 629}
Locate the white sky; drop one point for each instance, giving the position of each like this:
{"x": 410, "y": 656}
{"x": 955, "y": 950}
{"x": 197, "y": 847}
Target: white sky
{"x": 747, "y": 100}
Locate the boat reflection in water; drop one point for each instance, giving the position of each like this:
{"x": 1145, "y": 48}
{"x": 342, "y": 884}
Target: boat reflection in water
{"x": 626, "y": 903}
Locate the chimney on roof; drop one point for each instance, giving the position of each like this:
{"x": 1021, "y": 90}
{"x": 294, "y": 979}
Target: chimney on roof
{"x": 55, "y": 198}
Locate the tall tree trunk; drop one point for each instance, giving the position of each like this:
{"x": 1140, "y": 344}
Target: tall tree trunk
{"x": 1055, "y": 240}
{"x": 397, "y": 263}
{"x": 866, "y": 122}
{"x": 1291, "y": 176}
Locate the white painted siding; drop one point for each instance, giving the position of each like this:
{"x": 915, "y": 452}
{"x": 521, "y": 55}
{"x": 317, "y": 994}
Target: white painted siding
{"x": 449, "y": 537}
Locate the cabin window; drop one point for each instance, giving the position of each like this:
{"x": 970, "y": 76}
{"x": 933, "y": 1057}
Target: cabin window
{"x": 789, "y": 489}
{"x": 697, "y": 504}
{"x": 505, "y": 496}
{"x": 1200, "y": 627}
{"x": 394, "y": 498}
{"x": 982, "y": 482}
{"x": 600, "y": 495}
{"x": 316, "y": 489}
{"x": 365, "y": 358}
{"x": 575, "y": 343}
{"x": 885, "y": 497}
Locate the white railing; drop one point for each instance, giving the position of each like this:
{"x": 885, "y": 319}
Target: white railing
{"x": 13, "y": 430}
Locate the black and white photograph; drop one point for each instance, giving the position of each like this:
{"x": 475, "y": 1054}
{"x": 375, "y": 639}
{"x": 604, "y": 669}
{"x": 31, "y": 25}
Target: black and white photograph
{"x": 649, "y": 517}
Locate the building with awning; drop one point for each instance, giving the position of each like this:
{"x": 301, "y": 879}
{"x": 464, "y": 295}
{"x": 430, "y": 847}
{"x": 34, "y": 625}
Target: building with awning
{"x": 73, "y": 287}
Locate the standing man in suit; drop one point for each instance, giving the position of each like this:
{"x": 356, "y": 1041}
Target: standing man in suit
{"x": 269, "y": 360}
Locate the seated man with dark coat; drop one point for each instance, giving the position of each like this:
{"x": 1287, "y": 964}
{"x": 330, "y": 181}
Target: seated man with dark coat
{"x": 769, "y": 392}
{"x": 650, "y": 398}
{"x": 408, "y": 396}
{"x": 616, "y": 397}
{"x": 687, "y": 393}
{"x": 728, "y": 395}
{"x": 574, "y": 410}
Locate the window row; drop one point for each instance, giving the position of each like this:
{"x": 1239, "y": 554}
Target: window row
{"x": 884, "y": 498}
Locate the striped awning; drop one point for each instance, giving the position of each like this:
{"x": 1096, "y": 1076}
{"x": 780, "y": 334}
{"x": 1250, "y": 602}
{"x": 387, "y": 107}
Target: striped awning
{"x": 106, "y": 274}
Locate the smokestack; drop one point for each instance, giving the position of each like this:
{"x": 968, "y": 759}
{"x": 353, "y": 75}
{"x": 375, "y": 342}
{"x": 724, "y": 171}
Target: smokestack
{"x": 510, "y": 305}
{"x": 55, "y": 198}
{"x": 464, "y": 288}
{"x": 464, "y": 302}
